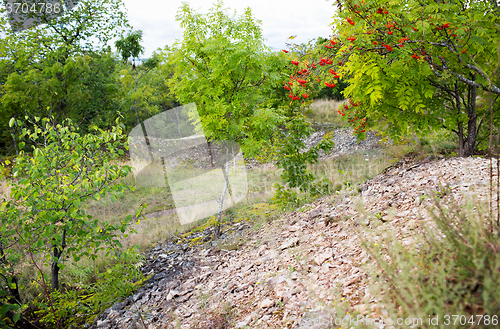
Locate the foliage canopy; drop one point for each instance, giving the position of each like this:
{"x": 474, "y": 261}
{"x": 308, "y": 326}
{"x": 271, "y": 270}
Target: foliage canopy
{"x": 413, "y": 66}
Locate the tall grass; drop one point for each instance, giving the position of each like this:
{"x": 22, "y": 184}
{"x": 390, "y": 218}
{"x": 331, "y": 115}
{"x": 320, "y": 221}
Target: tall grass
{"x": 454, "y": 271}
{"x": 325, "y": 111}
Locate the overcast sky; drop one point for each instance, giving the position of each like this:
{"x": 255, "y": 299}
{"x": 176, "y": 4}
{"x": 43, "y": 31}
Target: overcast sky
{"x": 281, "y": 19}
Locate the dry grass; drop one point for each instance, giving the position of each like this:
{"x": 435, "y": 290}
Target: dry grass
{"x": 4, "y": 189}
{"x": 325, "y": 111}
{"x": 151, "y": 231}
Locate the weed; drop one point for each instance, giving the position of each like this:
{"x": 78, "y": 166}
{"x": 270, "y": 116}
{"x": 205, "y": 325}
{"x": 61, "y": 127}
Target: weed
{"x": 204, "y": 299}
{"x": 81, "y": 303}
{"x": 379, "y": 216}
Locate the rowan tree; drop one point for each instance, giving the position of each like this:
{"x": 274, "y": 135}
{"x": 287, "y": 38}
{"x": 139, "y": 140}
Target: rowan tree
{"x": 224, "y": 67}
{"x": 411, "y": 66}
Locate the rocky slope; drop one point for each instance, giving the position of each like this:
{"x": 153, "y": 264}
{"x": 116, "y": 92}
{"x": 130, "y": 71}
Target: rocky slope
{"x": 292, "y": 271}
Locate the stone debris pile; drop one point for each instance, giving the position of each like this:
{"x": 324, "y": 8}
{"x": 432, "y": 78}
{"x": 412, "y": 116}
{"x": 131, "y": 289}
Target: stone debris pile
{"x": 299, "y": 266}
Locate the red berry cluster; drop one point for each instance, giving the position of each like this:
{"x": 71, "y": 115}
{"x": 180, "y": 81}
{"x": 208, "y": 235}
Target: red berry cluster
{"x": 382, "y": 11}
{"x": 301, "y": 81}
{"x": 354, "y": 114}
{"x": 335, "y": 74}
{"x": 325, "y": 61}
{"x": 388, "y": 47}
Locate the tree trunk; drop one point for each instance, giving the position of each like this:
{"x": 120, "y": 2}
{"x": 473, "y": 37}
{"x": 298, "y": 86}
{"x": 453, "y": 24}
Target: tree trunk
{"x": 209, "y": 145}
{"x": 13, "y": 133}
{"x": 467, "y": 144}
{"x": 135, "y": 101}
{"x": 470, "y": 143}
{"x": 54, "y": 270}
{"x": 225, "y": 172}
{"x": 460, "y": 128}
{"x": 230, "y": 191}
{"x": 178, "y": 124}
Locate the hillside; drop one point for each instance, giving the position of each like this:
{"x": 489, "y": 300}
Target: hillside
{"x": 302, "y": 270}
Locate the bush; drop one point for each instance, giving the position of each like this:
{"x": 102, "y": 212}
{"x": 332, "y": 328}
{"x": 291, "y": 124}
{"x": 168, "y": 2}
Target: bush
{"x": 286, "y": 198}
{"x": 44, "y": 220}
{"x": 454, "y": 271}
{"x": 82, "y": 302}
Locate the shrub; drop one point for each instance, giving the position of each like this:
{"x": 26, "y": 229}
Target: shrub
{"x": 454, "y": 271}
{"x": 82, "y": 302}
{"x": 44, "y": 221}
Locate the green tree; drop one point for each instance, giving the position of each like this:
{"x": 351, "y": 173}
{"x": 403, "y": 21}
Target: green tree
{"x": 91, "y": 93}
{"x": 45, "y": 65}
{"x": 45, "y": 218}
{"x": 100, "y": 90}
{"x": 223, "y": 65}
{"x": 158, "y": 79}
{"x": 415, "y": 66}
{"x": 140, "y": 91}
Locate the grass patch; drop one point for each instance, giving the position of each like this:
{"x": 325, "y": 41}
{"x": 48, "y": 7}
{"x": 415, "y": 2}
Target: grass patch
{"x": 325, "y": 111}
{"x": 440, "y": 142}
{"x": 343, "y": 174}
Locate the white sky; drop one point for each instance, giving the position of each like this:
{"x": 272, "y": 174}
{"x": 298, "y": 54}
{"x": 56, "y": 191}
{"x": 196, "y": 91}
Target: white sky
{"x": 281, "y": 19}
